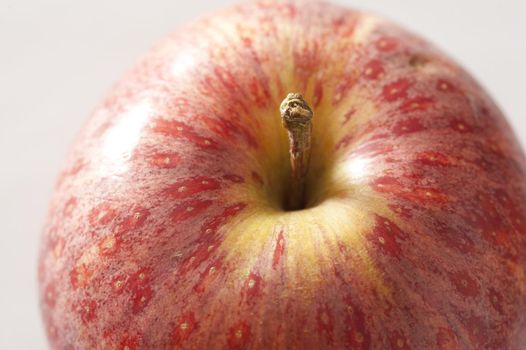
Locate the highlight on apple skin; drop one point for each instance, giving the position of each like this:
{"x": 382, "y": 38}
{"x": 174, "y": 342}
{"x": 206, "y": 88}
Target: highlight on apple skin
{"x": 168, "y": 226}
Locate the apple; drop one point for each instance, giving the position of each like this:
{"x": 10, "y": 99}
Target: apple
{"x": 172, "y": 223}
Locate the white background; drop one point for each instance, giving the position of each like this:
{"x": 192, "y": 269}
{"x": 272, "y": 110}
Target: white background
{"x": 57, "y": 59}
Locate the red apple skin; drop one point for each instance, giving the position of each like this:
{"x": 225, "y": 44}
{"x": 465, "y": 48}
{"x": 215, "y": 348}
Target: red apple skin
{"x": 165, "y": 230}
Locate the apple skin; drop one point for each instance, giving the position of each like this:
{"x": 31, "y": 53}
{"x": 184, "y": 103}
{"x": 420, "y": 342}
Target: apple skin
{"x": 166, "y": 228}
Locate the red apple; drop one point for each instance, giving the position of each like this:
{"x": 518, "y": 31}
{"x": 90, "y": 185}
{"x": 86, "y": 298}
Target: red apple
{"x": 169, "y": 226}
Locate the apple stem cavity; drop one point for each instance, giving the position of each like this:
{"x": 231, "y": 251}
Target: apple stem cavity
{"x": 296, "y": 116}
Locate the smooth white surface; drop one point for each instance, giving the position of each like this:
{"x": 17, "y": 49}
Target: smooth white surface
{"x": 58, "y": 58}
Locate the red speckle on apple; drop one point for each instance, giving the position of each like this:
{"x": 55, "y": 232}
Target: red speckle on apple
{"x": 102, "y": 214}
{"x": 396, "y": 90}
{"x": 460, "y": 126}
{"x": 129, "y": 343}
{"x": 209, "y": 276}
{"x": 408, "y": 126}
{"x": 444, "y": 86}
{"x": 278, "y": 249}
{"x": 118, "y": 283}
{"x": 239, "y": 335}
{"x": 399, "y": 341}
{"x": 465, "y": 284}
{"x": 252, "y": 287}
{"x": 140, "y": 298}
{"x": 139, "y": 279}
{"x": 217, "y": 221}
{"x": 348, "y": 115}
{"x": 189, "y": 209}
{"x": 86, "y": 308}
{"x": 387, "y": 236}
{"x": 190, "y": 186}
{"x": 419, "y": 103}
{"x": 386, "y": 44}
{"x": 80, "y": 276}
{"x": 234, "y": 178}
{"x": 165, "y": 160}
{"x": 358, "y": 336}
{"x": 184, "y": 326}
{"x": 433, "y": 159}
{"x": 325, "y": 322}
{"x": 179, "y": 130}
{"x": 133, "y": 221}
{"x": 394, "y": 187}
{"x": 109, "y": 245}
{"x": 373, "y": 70}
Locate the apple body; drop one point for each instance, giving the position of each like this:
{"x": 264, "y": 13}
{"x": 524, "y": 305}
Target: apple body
{"x": 167, "y": 229}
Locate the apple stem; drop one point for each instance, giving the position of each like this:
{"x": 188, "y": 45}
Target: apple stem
{"x": 296, "y": 116}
